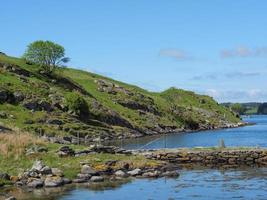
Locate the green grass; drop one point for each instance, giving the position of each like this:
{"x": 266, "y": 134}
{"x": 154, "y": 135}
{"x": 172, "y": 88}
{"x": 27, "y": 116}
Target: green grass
{"x": 189, "y": 106}
{"x": 71, "y": 166}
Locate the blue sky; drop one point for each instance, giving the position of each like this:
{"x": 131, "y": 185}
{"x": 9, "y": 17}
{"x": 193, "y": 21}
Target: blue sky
{"x": 215, "y": 47}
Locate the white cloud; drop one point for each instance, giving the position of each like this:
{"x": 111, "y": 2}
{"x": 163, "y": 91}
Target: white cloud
{"x": 177, "y": 54}
{"x": 256, "y": 95}
{"x": 243, "y": 51}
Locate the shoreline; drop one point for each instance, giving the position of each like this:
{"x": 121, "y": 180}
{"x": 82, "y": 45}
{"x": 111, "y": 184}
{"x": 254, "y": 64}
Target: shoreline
{"x": 74, "y": 140}
{"x": 168, "y": 162}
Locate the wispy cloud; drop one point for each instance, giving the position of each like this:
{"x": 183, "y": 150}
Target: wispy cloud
{"x": 177, "y": 54}
{"x": 237, "y": 95}
{"x": 241, "y": 74}
{"x": 243, "y": 51}
{"x": 204, "y": 77}
{"x": 235, "y": 74}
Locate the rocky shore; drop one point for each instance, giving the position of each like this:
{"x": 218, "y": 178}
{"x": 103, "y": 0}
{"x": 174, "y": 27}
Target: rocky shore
{"x": 41, "y": 175}
{"x": 79, "y": 140}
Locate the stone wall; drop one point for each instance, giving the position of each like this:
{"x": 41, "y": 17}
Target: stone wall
{"x": 212, "y": 157}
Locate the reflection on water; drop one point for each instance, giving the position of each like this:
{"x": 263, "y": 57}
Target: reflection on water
{"x": 196, "y": 184}
{"x": 255, "y": 135}
{"x": 203, "y": 184}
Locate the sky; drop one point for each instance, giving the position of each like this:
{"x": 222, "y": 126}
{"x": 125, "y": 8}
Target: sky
{"x": 214, "y": 47}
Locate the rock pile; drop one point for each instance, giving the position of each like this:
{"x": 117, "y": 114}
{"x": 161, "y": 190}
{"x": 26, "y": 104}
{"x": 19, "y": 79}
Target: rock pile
{"x": 213, "y": 157}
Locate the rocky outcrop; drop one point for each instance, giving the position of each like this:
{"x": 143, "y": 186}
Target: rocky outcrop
{"x": 15, "y": 69}
{"x": 38, "y": 105}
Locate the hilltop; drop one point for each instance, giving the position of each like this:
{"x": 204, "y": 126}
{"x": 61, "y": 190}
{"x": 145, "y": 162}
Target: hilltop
{"x": 34, "y": 102}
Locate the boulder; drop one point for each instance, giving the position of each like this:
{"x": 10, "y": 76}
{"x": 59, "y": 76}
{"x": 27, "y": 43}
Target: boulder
{"x": 66, "y": 181}
{"x": 4, "y": 176}
{"x": 53, "y": 181}
{"x": 57, "y": 172}
{"x": 35, "y": 183}
{"x": 85, "y": 177}
{"x": 46, "y": 170}
{"x": 97, "y": 179}
{"x": 66, "y": 151}
{"x": 79, "y": 180}
{"x": 135, "y": 172}
{"x": 120, "y": 173}
{"x": 170, "y": 174}
{"x": 86, "y": 169}
{"x": 3, "y": 96}
{"x": 3, "y": 115}
{"x": 18, "y": 96}
{"x": 37, "y": 105}
{"x": 11, "y": 198}
{"x": 37, "y": 165}
{"x": 153, "y": 174}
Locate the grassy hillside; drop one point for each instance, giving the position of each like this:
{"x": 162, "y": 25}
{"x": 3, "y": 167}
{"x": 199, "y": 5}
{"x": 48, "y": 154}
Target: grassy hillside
{"x": 35, "y": 102}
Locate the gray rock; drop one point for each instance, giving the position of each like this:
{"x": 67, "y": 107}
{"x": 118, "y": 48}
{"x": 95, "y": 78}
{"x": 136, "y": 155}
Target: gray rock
{"x": 53, "y": 181}
{"x": 79, "y": 180}
{"x": 46, "y": 170}
{"x": 84, "y": 176}
{"x": 4, "y": 176}
{"x": 3, "y": 115}
{"x": 171, "y": 174}
{"x": 37, "y": 165}
{"x": 120, "y": 173}
{"x": 66, "y": 151}
{"x": 66, "y": 181}
{"x": 153, "y": 174}
{"x": 86, "y": 169}
{"x": 57, "y": 172}
{"x": 35, "y": 183}
{"x": 11, "y": 198}
{"x": 18, "y": 96}
{"x": 97, "y": 179}
{"x": 135, "y": 172}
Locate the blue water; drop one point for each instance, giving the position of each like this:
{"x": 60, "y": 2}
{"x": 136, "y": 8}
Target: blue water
{"x": 194, "y": 184}
{"x": 255, "y": 135}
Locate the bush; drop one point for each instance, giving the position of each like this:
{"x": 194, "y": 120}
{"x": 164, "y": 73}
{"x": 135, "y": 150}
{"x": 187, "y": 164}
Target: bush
{"x": 77, "y": 104}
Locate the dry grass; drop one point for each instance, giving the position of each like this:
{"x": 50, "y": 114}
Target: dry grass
{"x": 14, "y": 144}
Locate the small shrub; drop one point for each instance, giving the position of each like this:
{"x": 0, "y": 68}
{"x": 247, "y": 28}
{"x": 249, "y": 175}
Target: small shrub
{"x": 77, "y": 104}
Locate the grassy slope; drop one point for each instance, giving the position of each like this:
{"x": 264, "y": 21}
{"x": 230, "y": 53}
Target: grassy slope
{"x": 174, "y": 105}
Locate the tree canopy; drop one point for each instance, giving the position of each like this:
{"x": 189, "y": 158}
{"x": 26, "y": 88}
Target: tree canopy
{"x": 262, "y": 109}
{"x": 238, "y": 108}
{"x": 47, "y": 54}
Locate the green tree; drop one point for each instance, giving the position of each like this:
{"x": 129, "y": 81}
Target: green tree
{"x": 262, "y": 110}
{"x": 47, "y": 54}
{"x": 238, "y": 108}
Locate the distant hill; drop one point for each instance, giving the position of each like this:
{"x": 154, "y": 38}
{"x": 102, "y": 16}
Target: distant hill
{"x": 250, "y": 108}
{"x": 38, "y": 103}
